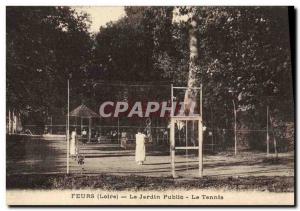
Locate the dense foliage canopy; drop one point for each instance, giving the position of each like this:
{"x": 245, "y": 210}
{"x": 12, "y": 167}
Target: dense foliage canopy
{"x": 244, "y": 55}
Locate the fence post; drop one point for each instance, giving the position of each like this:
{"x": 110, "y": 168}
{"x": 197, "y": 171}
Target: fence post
{"x": 274, "y": 138}
{"x": 235, "y": 138}
{"x": 118, "y": 131}
{"x": 68, "y": 129}
{"x": 268, "y": 143}
{"x": 51, "y": 126}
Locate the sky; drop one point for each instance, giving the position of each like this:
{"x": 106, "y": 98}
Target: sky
{"x": 101, "y": 15}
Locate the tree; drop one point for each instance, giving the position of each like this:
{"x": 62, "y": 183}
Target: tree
{"x": 128, "y": 49}
{"x": 45, "y": 45}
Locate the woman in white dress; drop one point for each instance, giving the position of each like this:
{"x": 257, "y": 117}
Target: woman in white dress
{"x": 123, "y": 140}
{"x": 73, "y": 143}
{"x": 140, "y": 149}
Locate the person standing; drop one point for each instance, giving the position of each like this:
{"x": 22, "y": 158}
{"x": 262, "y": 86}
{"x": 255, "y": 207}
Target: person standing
{"x": 124, "y": 140}
{"x": 73, "y": 150}
{"x": 140, "y": 149}
{"x": 84, "y": 136}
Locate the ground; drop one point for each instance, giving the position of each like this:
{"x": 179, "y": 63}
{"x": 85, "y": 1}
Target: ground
{"x": 39, "y": 157}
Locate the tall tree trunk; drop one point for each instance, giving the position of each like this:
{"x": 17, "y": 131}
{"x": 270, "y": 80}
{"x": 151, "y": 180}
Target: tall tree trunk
{"x": 191, "y": 94}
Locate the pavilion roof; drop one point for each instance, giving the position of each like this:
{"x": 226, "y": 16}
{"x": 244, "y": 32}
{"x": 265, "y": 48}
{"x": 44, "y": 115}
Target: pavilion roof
{"x": 84, "y": 112}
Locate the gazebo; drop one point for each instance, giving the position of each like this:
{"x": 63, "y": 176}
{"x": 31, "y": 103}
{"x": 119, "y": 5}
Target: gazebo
{"x": 84, "y": 112}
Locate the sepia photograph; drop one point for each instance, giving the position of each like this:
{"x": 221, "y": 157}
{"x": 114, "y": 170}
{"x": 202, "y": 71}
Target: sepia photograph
{"x": 150, "y": 105}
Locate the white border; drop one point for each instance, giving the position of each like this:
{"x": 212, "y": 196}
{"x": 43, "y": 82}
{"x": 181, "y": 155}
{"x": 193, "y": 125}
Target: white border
{"x": 104, "y": 3}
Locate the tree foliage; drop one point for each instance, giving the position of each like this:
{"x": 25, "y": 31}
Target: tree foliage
{"x": 244, "y": 55}
{"x": 45, "y": 46}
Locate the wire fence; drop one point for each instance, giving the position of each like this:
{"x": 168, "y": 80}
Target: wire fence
{"x": 215, "y": 139}
{"x": 223, "y": 127}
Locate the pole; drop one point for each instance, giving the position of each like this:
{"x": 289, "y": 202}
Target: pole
{"x": 51, "y": 126}
{"x": 212, "y": 129}
{"x": 13, "y": 123}
{"x": 268, "y": 141}
{"x": 90, "y": 130}
{"x": 100, "y": 128}
{"x": 9, "y": 122}
{"x": 172, "y": 136}
{"x": 186, "y": 145}
{"x": 172, "y": 111}
{"x": 194, "y": 140}
{"x": 200, "y": 137}
{"x": 274, "y": 138}
{"x": 275, "y": 145}
{"x": 81, "y": 128}
{"x": 118, "y": 131}
{"x": 235, "y": 139}
{"x": 172, "y": 147}
{"x": 68, "y": 128}
{"x": 157, "y": 132}
{"x": 201, "y": 101}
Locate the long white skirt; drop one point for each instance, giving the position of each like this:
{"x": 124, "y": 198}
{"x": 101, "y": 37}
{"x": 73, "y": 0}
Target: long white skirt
{"x": 123, "y": 143}
{"x": 72, "y": 147}
{"x": 140, "y": 152}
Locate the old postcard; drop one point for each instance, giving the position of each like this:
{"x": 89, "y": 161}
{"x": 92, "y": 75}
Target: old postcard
{"x": 156, "y": 105}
